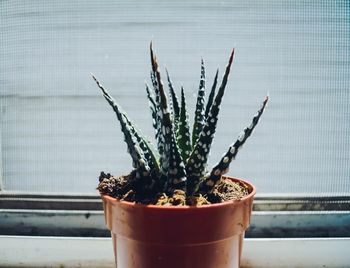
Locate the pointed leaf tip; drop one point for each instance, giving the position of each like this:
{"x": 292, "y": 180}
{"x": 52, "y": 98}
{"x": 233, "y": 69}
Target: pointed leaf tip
{"x": 104, "y": 92}
{"x": 153, "y": 59}
{"x": 211, "y": 95}
{"x": 231, "y": 56}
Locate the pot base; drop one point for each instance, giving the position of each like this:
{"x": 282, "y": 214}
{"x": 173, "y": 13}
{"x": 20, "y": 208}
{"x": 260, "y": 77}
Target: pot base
{"x": 207, "y": 236}
{"x": 223, "y": 254}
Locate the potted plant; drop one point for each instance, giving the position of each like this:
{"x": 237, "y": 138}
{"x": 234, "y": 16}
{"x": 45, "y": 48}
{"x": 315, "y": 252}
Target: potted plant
{"x": 170, "y": 211}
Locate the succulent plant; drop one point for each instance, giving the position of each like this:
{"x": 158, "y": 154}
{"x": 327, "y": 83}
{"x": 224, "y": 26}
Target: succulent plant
{"x": 180, "y": 160}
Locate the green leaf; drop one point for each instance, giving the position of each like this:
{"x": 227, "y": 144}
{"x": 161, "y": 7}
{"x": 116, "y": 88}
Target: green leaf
{"x": 199, "y": 118}
{"x": 147, "y": 147}
{"x": 174, "y": 103}
{"x": 222, "y": 167}
{"x": 172, "y": 166}
{"x": 197, "y": 162}
{"x": 140, "y": 163}
{"x": 153, "y": 108}
{"x": 177, "y": 171}
{"x": 157, "y": 119}
{"x": 183, "y": 134}
{"x": 211, "y": 95}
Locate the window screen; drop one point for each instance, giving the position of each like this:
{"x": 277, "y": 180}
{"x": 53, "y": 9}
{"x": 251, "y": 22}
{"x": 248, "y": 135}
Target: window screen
{"x": 58, "y": 133}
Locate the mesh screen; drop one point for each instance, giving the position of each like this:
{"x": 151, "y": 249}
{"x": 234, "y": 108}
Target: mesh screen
{"x": 57, "y": 132}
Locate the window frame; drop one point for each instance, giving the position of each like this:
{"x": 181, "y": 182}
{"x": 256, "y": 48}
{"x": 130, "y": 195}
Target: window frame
{"x": 82, "y": 215}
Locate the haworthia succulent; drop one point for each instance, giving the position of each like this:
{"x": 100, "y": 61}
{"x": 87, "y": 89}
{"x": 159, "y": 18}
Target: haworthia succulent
{"x": 183, "y": 133}
{"x": 174, "y": 103}
{"x": 199, "y": 119}
{"x": 222, "y": 167}
{"x": 211, "y": 95}
{"x": 171, "y": 153}
{"x": 140, "y": 162}
{"x": 183, "y": 156}
{"x": 197, "y": 162}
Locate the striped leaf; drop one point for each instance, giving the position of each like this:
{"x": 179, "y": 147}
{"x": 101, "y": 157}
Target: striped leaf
{"x": 211, "y": 95}
{"x": 176, "y": 176}
{"x": 174, "y": 103}
{"x": 222, "y": 167}
{"x": 172, "y": 166}
{"x": 158, "y": 117}
{"x": 140, "y": 163}
{"x": 199, "y": 118}
{"x": 153, "y": 108}
{"x": 183, "y": 134}
{"x": 197, "y": 162}
{"x": 146, "y": 146}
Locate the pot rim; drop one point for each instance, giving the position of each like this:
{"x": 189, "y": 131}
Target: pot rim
{"x": 186, "y": 207}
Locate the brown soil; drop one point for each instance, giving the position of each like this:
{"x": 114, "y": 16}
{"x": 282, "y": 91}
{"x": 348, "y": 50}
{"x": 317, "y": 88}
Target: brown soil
{"x": 120, "y": 188}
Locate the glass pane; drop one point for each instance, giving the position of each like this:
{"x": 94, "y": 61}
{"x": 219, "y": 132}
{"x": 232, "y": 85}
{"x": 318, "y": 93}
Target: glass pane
{"x": 58, "y": 132}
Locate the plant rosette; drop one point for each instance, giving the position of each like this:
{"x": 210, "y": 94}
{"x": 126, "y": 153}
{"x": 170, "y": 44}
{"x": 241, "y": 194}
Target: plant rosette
{"x": 170, "y": 211}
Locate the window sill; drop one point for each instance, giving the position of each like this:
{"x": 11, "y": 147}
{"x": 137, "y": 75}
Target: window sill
{"x": 91, "y": 223}
{"x": 40, "y": 251}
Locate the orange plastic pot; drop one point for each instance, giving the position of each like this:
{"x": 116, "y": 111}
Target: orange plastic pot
{"x": 198, "y": 237}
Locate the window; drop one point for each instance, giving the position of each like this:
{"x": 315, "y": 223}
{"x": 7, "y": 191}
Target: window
{"x": 57, "y": 132}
